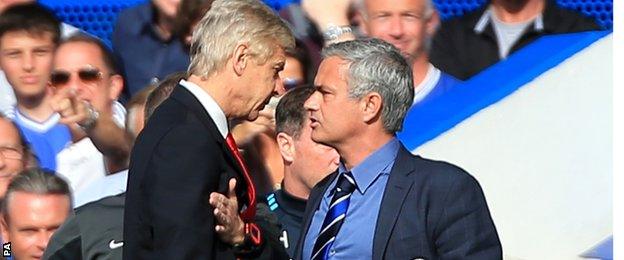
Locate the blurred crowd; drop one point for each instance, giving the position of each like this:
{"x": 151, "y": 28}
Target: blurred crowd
{"x": 71, "y": 108}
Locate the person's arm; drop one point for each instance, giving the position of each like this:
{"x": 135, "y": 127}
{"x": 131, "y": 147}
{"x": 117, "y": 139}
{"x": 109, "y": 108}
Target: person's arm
{"x": 465, "y": 229}
{"x": 329, "y": 13}
{"x": 96, "y": 122}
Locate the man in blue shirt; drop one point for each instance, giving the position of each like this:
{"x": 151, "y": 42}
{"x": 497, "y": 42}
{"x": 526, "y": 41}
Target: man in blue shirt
{"x": 409, "y": 25}
{"x": 29, "y": 34}
{"x": 145, "y": 46}
{"x": 414, "y": 207}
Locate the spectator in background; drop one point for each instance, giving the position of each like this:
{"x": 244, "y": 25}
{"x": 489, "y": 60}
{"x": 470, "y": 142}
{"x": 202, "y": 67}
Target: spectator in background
{"x": 305, "y": 164}
{"x": 189, "y": 14}
{"x": 115, "y": 183}
{"x": 466, "y": 45}
{"x": 15, "y": 154}
{"x": 298, "y": 70}
{"x": 86, "y": 85}
{"x": 96, "y": 230}
{"x": 29, "y": 35}
{"x": 7, "y": 96}
{"x": 409, "y": 25}
{"x": 145, "y": 45}
{"x": 135, "y": 108}
{"x": 162, "y": 92}
{"x": 37, "y": 202}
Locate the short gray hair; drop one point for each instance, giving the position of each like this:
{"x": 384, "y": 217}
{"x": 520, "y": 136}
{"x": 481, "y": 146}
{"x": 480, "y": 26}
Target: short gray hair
{"x": 230, "y": 22}
{"x": 377, "y": 66}
{"x": 37, "y": 181}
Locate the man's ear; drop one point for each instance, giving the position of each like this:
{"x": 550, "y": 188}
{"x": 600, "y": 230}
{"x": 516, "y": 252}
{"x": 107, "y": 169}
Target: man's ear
{"x": 371, "y": 105}
{"x": 433, "y": 23}
{"x": 286, "y": 145}
{"x": 240, "y": 58}
{"x": 5, "y": 229}
{"x": 116, "y": 86}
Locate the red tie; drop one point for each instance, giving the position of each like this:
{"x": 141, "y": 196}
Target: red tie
{"x": 250, "y": 212}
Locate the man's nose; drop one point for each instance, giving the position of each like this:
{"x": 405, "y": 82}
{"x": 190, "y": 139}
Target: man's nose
{"x": 279, "y": 88}
{"x": 28, "y": 62}
{"x": 396, "y": 27}
{"x": 312, "y": 102}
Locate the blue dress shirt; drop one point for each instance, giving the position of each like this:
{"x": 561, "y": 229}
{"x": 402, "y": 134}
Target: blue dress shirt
{"x": 355, "y": 238}
{"x": 143, "y": 56}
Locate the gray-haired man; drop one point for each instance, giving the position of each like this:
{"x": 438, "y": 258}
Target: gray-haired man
{"x": 37, "y": 202}
{"x": 416, "y": 208}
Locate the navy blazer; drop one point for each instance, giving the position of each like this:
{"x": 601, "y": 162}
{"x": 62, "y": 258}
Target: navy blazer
{"x": 429, "y": 210}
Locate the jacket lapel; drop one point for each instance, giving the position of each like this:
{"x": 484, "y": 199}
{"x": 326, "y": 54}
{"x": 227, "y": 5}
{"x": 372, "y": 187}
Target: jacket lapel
{"x": 394, "y": 196}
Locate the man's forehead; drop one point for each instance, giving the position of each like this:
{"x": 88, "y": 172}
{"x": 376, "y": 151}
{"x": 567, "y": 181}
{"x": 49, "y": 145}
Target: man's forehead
{"x": 43, "y": 38}
{"x": 29, "y": 199}
{"x": 394, "y": 5}
{"x": 78, "y": 54}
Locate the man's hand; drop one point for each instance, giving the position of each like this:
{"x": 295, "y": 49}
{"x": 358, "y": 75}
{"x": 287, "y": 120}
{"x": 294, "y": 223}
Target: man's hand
{"x": 72, "y": 109}
{"x": 325, "y": 12}
{"x": 230, "y": 226}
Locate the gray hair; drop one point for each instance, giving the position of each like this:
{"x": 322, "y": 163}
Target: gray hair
{"x": 36, "y": 181}
{"x": 377, "y": 66}
{"x": 230, "y": 22}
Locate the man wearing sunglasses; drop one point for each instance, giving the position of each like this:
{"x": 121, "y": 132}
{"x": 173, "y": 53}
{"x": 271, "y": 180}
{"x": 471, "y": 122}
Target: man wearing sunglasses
{"x": 86, "y": 84}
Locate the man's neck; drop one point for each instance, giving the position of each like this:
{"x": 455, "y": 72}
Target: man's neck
{"x": 224, "y": 96}
{"x": 36, "y": 108}
{"x": 164, "y": 25}
{"x": 517, "y": 11}
{"x": 358, "y": 149}
{"x": 293, "y": 186}
{"x": 420, "y": 68}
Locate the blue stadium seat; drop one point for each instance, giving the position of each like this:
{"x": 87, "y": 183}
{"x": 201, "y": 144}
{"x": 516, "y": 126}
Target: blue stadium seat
{"x": 98, "y": 17}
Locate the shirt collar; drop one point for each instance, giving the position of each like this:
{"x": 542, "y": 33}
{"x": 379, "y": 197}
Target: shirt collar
{"x": 486, "y": 18}
{"x": 427, "y": 84}
{"x": 211, "y": 106}
{"x": 378, "y": 163}
{"x": 290, "y": 203}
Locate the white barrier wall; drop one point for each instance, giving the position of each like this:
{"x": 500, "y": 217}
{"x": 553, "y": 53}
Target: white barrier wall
{"x": 543, "y": 158}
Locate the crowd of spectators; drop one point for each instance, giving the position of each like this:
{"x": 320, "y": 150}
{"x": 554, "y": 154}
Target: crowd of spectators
{"x": 71, "y": 108}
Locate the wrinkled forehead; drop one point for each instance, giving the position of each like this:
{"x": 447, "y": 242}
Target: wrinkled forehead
{"x": 72, "y": 56}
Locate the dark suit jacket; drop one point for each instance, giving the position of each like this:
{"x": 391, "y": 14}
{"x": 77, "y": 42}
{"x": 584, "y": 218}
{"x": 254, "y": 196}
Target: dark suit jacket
{"x": 177, "y": 161}
{"x": 429, "y": 210}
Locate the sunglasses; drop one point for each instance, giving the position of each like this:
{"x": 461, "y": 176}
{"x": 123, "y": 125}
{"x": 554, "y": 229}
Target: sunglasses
{"x": 87, "y": 75}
